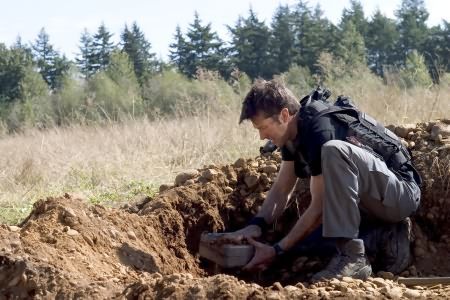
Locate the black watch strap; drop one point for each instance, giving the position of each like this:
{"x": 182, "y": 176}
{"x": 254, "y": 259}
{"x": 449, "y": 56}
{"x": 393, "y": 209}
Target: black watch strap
{"x": 278, "y": 249}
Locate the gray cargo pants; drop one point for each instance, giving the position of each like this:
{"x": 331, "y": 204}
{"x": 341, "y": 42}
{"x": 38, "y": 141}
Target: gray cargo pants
{"x": 357, "y": 180}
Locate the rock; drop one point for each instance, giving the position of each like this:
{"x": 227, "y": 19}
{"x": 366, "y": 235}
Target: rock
{"x": 164, "y": 187}
{"x": 228, "y": 189}
{"x": 185, "y": 175}
{"x": 69, "y": 212}
{"x": 189, "y": 182}
{"x": 273, "y": 296}
{"x": 396, "y": 292}
{"x": 413, "y": 270}
{"x": 209, "y": 174}
{"x": 72, "y": 232}
{"x": 131, "y": 235}
{"x": 403, "y": 130}
{"x": 409, "y": 293}
{"x": 348, "y": 279}
{"x": 241, "y": 162}
{"x": 335, "y": 281}
{"x": 251, "y": 179}
{"x": 290, "y": 289}
{"x": 277, "y": 286}
{"x": 269, "y": 169}
{"x": 439, "y": 131}
{"x": 385, "y": 275}
{"x": 14, "y": 228}
{"x": 379, "y": 282}
{"x": 300, "y": 285}
{"x": 419, "y": 252}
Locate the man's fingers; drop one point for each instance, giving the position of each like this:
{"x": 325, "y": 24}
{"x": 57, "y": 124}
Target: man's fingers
{"x": 250, "y": 265}
{"x": 251, "y": 241}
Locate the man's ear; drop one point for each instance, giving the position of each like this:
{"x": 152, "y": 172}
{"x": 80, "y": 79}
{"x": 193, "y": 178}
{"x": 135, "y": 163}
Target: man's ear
{"x": 284, "y": 114}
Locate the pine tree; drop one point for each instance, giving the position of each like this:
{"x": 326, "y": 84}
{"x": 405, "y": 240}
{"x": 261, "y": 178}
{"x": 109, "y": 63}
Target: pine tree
{"x": 356, "y": 15}
{"x": 205, "y": 47}
{"x": 250, "y": 46}
{"x": 350, "y": 47}
{"x": 103, "y": 47}
{"x": 438, "y": 46}
{"x": 85, "y": 59}
{"x": 178, "y": 52}
{"x": 412, "y": 17}
{"x": 281, "y": 42}
{"x": 200, "y": 48}
{"x": 44, "y": 55}
{"x": 314, "y": 34}
{"x": 381, "y": 42}
{"x": 136, "y": 46}
{"x": 51, "y": 65}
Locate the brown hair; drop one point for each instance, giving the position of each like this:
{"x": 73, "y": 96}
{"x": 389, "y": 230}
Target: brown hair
{"x": 269, "y": 98}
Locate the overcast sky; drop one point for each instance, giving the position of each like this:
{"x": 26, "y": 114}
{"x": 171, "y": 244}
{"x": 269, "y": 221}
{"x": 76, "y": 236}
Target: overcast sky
{"x": 64, "y": 20}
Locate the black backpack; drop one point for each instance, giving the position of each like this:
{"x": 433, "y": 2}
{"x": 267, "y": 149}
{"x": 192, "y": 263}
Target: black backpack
{"x": 363, "y": 130}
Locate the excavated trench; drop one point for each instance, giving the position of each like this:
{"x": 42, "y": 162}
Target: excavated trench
{"x": 149, "y": 248}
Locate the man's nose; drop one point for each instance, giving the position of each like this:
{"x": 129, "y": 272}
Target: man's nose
{"x": 262, "y": 136}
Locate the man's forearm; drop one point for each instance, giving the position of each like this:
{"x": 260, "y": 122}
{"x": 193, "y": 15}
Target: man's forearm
{"x": 310, "y": 219}
{"x": 307, "y": 223}
{"x": 273, "y": 206}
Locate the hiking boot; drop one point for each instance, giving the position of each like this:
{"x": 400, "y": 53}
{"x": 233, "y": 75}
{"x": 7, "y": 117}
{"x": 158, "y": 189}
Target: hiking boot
{"x": 395, "y": 251}
{"x": 351, "y": 261}
{"x": 389, "y": 244}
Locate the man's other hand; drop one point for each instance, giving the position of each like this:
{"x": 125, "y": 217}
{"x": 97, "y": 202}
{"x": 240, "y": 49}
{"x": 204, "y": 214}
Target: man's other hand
{"x": 251, "y": 231}
{"x": 264, "y": 255}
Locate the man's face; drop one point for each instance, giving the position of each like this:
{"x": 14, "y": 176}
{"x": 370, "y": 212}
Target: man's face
{"x": 273, "y": 128}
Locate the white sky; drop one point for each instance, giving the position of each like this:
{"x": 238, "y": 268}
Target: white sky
{"x": 64, "y": 20}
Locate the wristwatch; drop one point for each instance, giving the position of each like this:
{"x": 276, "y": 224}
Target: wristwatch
{"x": 278, "y": 250}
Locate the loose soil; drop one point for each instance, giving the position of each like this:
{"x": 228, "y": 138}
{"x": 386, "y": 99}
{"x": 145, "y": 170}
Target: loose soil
{"x": 67, "y": 248}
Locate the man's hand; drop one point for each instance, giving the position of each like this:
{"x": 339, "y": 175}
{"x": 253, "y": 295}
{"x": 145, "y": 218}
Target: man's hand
{"x": 264, "y": 255}
{"x": 251, "y": 231}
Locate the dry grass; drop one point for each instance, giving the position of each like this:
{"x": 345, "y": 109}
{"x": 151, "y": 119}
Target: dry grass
{"x": 111, "y": 163}
{"x": 395, "y": 105}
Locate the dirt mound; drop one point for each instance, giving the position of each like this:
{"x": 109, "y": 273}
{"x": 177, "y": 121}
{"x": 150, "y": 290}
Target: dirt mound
{"x": 67, "y": 248}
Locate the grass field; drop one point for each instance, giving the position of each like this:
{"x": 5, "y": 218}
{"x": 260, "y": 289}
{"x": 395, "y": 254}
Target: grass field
{"x": 112, "y": 163}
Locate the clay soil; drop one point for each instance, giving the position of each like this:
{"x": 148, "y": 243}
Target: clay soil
{"x": 148, "y": 249}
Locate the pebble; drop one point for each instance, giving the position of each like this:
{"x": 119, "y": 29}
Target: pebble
{"x": 269, "y": 169}
{"x": 72, "y": 232}
{"x": 251, "y": 180}
{"x": 131, "y": 235}
{"x": 379, "y": 282}
{"x": 277, "y": 286}
{"x": 396, "y": 292}
{"x": 69, "y": 212}
{"x": 240, "y": 163}
{"x": 228, "y": 189}
{"x": 409, "y": 293}
{"x": 164, "y": 187}
{"x": 272, "y": 296}
{"x": 14, "y": 228}
{"x": 347, "y": 279}
{"x": 185, "y": 175}
{"x": 189, "y": 182}
{"x": 290, "y": 289}
{"x": 385, "y": 275}
{"x": 209, "y": 174}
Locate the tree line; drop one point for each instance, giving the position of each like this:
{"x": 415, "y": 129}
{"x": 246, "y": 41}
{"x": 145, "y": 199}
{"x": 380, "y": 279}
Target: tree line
{"x": 298, "y": 36}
